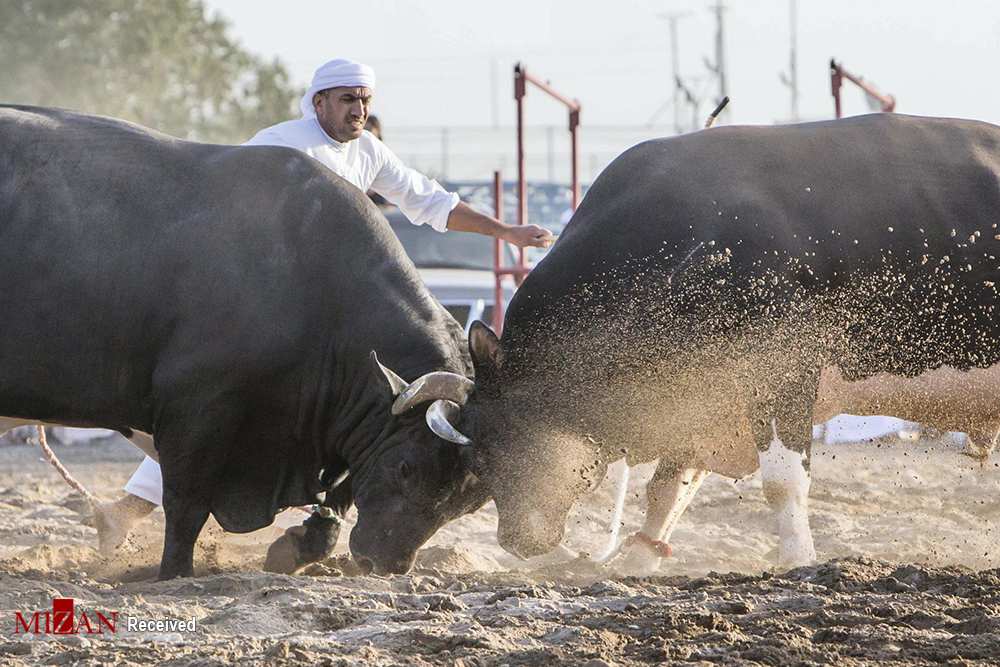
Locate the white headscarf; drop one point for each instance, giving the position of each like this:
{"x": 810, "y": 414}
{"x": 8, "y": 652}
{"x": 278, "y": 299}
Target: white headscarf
{"x": 334, "y": 74}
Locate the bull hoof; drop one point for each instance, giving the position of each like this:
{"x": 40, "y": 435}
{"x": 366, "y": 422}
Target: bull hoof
{"x": 642, "y": 557}
{"x": 284, "y": 556}
{"x": 638, "y": 563}
{"x": 801, "y": 555}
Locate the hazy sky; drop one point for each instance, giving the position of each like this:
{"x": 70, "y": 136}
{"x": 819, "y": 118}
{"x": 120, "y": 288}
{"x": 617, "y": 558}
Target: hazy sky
{"x": 434, "y": 58}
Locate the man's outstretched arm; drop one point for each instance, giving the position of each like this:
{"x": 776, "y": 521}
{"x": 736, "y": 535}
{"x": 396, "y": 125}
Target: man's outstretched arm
{"x": 464, "y": 218}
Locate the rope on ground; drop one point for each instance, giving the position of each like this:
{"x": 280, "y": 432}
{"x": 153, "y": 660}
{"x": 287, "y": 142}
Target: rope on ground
{"x": 51, "y": 457}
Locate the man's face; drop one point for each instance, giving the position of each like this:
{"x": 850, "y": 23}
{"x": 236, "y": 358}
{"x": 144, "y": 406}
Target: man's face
{"x": 342, "y": 112}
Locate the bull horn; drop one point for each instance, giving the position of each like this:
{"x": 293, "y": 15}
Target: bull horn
{"x": 430, "y": 387}
{"x": 396, "y": 383}
{"x": 439, "y": 417}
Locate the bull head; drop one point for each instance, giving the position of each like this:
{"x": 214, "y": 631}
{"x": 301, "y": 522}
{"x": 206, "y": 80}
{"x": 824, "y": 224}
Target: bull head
{"x": 448, "y": 391}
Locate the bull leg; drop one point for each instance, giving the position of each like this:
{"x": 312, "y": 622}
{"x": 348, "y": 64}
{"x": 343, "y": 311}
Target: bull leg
{"x": 668, "y": 495}
{"x": 785, "y": 475}
{"x": 323, "y": 527}
{"x": 618, "y": 471}
{"x": 981, "y": 443}
{"x": 316, "y": 538}
{"x": 187, "y": 441}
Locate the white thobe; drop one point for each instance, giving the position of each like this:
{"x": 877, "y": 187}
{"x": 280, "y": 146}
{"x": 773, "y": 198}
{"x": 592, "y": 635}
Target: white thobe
{"x": 365, "y": 162}
{"x": 370, "y": 165}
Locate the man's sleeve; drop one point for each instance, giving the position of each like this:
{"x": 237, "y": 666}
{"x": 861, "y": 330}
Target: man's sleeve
{"x": 422, "y": 200}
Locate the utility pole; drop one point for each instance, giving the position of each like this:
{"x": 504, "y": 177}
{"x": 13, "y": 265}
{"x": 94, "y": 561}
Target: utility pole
{"x": 719, "y": 66}
{"x": 791, "y": 79}
{"x": 677, "y": 86}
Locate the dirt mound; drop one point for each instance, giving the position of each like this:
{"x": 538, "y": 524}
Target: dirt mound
{"x": 906, "y": 531}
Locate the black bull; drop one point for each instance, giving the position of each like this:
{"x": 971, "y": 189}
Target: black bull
{"x": 706, "y": 279}
{"x": 226, "y": 300}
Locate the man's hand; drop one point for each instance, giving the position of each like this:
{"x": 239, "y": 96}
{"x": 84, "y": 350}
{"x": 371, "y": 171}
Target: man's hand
{"x": 463, "y": 218}
{"x": 528, "y": 235}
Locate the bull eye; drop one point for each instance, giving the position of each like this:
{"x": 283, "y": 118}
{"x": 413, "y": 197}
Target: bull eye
{"x": 404, "y": 470}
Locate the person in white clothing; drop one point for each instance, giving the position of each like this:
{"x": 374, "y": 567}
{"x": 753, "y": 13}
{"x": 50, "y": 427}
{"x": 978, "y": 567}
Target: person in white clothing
{"x": 332, "y": 131}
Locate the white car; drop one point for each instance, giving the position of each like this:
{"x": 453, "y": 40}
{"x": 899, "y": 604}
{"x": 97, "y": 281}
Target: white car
{"x": 457, "y": 268}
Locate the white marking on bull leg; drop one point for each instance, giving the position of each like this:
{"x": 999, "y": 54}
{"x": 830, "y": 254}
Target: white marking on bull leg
{"x": 786, "y": 488}
{"x": 614, "y": 527}
{"x": 666, "y": 501}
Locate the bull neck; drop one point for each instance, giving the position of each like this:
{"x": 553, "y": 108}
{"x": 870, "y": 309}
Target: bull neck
{"x": 338, "y": 146}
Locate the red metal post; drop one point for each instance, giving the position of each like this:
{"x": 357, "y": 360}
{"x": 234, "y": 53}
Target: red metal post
{"x": 837, "y": 73}
{"x": 522, "y": 182}
{"x": 521, "y": 79}
{"x": 574, "y": 122}
{"x": 836, "y": 81}
{"x": 498, "y": 304}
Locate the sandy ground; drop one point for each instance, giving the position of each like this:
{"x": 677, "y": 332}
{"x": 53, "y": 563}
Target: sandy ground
{"x": 905, "y": 533}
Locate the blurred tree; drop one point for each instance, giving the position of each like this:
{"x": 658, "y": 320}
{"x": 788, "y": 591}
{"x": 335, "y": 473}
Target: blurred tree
{"x": 162, "y": 63}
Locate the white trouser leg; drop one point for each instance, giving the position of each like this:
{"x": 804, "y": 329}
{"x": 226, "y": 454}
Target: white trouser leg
{"x": 147, "y": 482}
{"x": 786, "y": 488}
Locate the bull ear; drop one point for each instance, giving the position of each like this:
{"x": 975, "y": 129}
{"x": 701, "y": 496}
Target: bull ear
{"x": 396, "y": 384}
{"x": 484, "y": 346}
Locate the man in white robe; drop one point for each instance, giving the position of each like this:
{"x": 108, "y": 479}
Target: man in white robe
{"x": 332, "y": 131}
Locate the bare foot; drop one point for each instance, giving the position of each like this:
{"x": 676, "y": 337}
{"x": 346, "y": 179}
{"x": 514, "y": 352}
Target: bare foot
{"x": 116, "y": 519}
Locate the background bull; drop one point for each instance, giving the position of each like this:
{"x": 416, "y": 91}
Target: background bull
{"x": 226, "y": 300}
{"x": 706, "y": 280}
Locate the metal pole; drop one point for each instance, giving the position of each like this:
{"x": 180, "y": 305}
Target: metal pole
{"x": 522, "y": 184}
{"x": 837, "y": 74}
{"x": 574, "y": 123}
{"x": 835, "y": 84}
{"x": 497, "y": 255}
{"x": 720, "y": 50}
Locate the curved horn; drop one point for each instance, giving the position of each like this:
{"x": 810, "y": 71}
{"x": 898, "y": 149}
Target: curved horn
{"x": 439, "y": 417}
{"x": 439, "y": 384}
{"x": 396, "y": 384}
